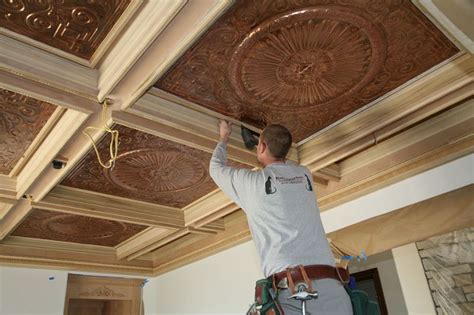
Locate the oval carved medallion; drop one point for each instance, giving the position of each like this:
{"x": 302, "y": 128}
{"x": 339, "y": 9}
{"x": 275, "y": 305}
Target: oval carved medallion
{"x": 155, "y": 171}
{"x": 307, "y": 58}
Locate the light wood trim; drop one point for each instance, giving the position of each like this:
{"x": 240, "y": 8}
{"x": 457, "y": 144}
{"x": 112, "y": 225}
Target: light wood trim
{"x": 149, "y": 21}
{"x": 436, "y": 141}
{"x": 159, "y": 243}
{"x": 69, "y": 123}
{"x": 53, "y": 94}
{"x": 188, "y": 250}
{"x": 76, "y": 146}
{"x": 142, "y": 240}
{"x": 47, "y": 128}
{"x": 13, "y": 218}
{"x": 215, "y": 202}
{"x": 7, "y": 186}
{"x": 193, "y": 19}
{"x": 434, "y": 86}
{"x": 38, "y": 65}
{"x": 177, "y": 135}
{"x": 217, "y": 215}
{"x": 404, "y": 170}
{"x": 36, "y": 253}
{"x": 216, "y": 225}
{"x": 445, "y": 24}
{"x": 461, "y": 115}
{"x": 5, "y": 205}
{"x": 91, "y": 204}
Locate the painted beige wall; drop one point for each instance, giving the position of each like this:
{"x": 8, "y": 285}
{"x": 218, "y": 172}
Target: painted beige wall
{"x": 413, "y": 281}
{"x": 31, "y": 292}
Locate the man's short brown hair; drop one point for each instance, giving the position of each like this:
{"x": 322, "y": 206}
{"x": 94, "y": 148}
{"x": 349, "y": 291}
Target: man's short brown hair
{"x": 278, "y": 140}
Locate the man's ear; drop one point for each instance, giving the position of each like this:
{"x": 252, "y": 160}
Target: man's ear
{"x": 262, "y": 147}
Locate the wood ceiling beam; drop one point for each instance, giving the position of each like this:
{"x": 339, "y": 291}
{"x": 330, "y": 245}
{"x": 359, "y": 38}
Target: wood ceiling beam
{"x": 47, "y": 93}
{"x": 41, "y": 68}
{"x": 149, "y": 242}
{"x": 436, "y": 141}
{"x": 177, "y": 135}
{"x": 21, "y": 251}
{"x": 185, "y": 251}
{"x": 91, "y": 204}
{"x": 154, "y": 237}
{"x": 71, "y": 144}
{"x": 447, "y": 85}
{"x": 161, "y": 51}
{"x": 177, "y": 120}
{"x": 69, "y": 123}
{"x": 14, "y": 217}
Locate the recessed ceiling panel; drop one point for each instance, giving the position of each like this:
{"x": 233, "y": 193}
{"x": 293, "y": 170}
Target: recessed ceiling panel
{"x": 148, "y": 168}
{"x": 21, "y": 119}
{"x": 74, "y": 26}
{"x": 73, "y": 228}
{"x": 305, "y": 64}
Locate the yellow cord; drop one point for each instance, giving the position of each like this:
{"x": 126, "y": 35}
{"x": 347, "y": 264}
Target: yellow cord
{"x": 113, "y": 147}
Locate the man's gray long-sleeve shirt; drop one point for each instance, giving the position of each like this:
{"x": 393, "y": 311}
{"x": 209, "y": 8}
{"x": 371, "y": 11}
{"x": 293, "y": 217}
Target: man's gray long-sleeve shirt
{"x": 281, "y": 209}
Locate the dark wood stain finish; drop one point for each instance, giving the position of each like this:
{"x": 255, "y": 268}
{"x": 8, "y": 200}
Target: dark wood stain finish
{"x": 21, "y": 119}
{"x": 74, "y": 26}
{"x": 65, "y": 227}
{"x": 305, "y": 63}
{"x": 148, "y": 168}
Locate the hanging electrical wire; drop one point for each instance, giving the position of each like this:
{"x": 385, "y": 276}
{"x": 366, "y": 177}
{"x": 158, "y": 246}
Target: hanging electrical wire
{"x": 114, "y": 134}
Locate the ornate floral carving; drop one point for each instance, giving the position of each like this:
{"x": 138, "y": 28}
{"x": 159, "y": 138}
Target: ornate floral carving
{"x": 102, "y": 291}
{"x": 21, "y": 119}
{"x": 305, "y": 63}
{"x": 66, "y": 227}
{"x": 148, "y": 168}
{"x": 75, "y": 26}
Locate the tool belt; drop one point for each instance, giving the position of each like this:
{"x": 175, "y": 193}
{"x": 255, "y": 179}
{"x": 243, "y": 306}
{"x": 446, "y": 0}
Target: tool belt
{"x": 266, "y": 290}
{"x": 266, "y": 299}
{"x": 291, "y": 276}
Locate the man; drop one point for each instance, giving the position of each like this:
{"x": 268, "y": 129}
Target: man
{"x": 284, "y": 220}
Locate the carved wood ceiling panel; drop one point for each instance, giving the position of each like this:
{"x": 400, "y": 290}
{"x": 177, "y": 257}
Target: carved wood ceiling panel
{"x": 73, "y": 228}
{"x": 148, "y": 168}
{"x": 305, "y": 63}
{"x": 74, "y": 26}
{"x": 21, "y": 119}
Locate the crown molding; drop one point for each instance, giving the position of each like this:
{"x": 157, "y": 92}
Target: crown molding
{"x": 193, "y": 20}
{"x": 48, "y": 69}
{"x": 150, "y": 20}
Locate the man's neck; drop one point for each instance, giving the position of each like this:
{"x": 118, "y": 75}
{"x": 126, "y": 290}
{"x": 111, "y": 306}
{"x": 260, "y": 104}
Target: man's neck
{"x": 274, "y": 161}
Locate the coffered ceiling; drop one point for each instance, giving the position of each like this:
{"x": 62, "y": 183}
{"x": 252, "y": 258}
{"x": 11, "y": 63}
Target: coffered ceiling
{"x": 75, "y": 27}
{"x": 373, "y": 93}
{"x": 21, "y": 119}
{"x": 148, "y": 168}
{"x": 305, "y": 64}
{"x": 65, "y": 227}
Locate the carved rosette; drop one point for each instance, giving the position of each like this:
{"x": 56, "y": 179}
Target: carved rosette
{"x": 299, "y": 60}
{"x": 305, "y": 63}
{"x": 66, "y": 227}
{"x": 156, "y": 171}
{"x": 148, "y": 168}
{"x": 21, "y": 119}
{"x": 77, "y": 27}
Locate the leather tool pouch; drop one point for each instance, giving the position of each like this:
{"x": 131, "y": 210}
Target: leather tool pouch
{"x": 266, "y": 302}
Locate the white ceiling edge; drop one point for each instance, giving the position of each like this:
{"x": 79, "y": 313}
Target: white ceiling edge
{"x": 429, "y": 184}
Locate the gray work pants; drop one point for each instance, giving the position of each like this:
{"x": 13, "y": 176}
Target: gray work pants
{"x": 332, "y": 300}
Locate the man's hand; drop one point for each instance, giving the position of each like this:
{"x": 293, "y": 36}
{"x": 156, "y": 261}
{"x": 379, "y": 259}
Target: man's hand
{"x": 225, "y": 129}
